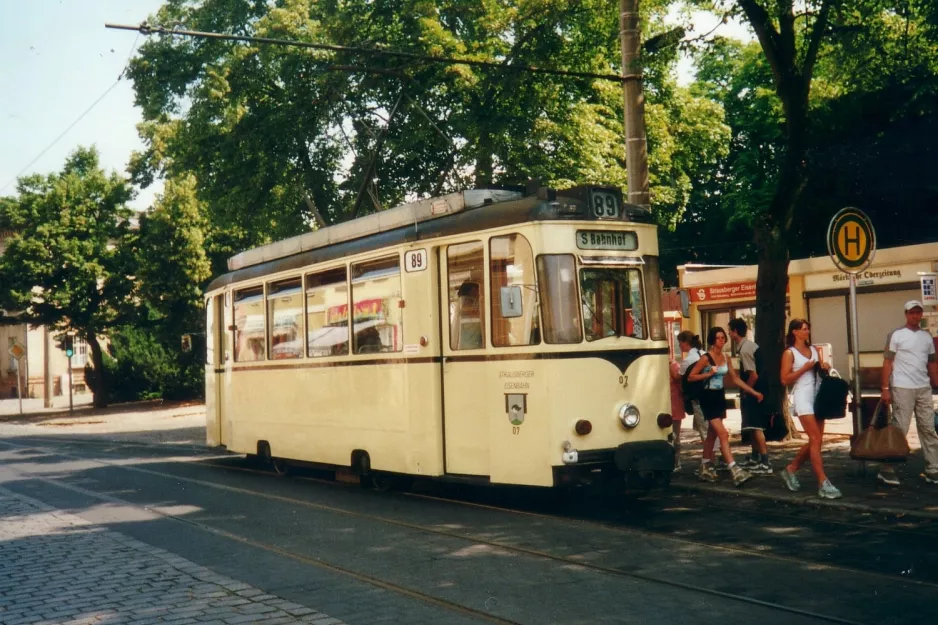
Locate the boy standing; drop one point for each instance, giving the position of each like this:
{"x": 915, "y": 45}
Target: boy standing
{"x": 755, "y": 419}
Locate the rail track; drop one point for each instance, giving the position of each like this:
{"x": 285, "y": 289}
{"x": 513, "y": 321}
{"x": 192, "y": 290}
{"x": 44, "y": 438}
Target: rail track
{"x": 214, "y": 463}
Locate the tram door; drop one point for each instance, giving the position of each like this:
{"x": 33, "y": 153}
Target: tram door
{"x": 217, "y": 356}
{"x": 463, "y": 307}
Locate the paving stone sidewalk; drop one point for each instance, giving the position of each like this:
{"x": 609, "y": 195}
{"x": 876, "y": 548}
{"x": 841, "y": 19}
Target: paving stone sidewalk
{"x": 56, "y": 568}
{"x": 862, "y": 491}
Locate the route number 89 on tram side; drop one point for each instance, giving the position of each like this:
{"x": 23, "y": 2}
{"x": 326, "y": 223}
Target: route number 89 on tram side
{"x": 489, "y": 335}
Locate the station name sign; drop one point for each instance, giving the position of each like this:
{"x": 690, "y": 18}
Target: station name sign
{"x": 624, "y": 241}
{"x": 871, "y": 276}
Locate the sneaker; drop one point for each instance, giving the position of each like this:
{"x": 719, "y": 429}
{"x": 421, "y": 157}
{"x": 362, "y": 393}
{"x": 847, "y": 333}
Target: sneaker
{"x": 740, "y": 476}
{"x": 791, "y": 480}
{"x": 760, "y": 469}
{"x": 706, "y": 473}
{"x": 931, "y": 478}
{"x": 748, "y": 463}
{"x": 828, "y": 491}
{"x": 677, "y": 466}
{"x": 888, "y": 477}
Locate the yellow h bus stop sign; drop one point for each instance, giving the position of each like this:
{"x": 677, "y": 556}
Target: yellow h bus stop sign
{"x": 851, "y": 240}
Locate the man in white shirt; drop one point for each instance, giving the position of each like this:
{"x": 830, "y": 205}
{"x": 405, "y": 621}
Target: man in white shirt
{"x": 909, "y": 364}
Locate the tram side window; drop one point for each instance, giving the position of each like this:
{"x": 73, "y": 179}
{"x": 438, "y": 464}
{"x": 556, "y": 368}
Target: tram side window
{"x": 285, "y": 319}
{"x": 249, "y": 340}
{"x": 327, "y": 313}
{"x": 511, "y": 265}
{"x": 556, "y": 278}
{"x": 466, "y": 268}
{"x": 612, "y": 303}
{"x": 377, "y": 324}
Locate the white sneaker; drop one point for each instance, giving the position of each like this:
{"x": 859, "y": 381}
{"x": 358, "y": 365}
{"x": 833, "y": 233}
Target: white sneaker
{"x": 889, "y": 477}
{"x": 829, "y": 491}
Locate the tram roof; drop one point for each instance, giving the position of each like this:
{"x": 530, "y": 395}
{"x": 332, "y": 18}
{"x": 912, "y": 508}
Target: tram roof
{"x": 463, "y": 211}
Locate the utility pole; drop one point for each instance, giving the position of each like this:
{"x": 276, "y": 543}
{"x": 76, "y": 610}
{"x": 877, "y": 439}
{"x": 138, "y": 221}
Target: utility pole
{"x": 636, "y": 146}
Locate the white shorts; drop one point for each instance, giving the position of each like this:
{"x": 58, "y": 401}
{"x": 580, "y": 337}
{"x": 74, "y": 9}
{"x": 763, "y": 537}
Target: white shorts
{"x": 801, "y": 403}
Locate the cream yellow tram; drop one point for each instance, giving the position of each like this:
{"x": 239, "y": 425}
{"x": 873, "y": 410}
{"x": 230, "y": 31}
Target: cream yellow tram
{"x": 488, "y": 335}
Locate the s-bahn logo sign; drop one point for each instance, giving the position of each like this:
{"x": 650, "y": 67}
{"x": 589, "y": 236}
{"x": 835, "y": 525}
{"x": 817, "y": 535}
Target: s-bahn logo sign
{"x": 851, "y": 240}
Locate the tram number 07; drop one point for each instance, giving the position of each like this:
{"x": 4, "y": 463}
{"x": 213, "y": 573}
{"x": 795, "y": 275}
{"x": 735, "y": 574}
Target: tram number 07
{"x": 415, "y": 260}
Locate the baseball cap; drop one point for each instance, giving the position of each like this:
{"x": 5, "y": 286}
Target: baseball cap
{"x": 913, "y": 304}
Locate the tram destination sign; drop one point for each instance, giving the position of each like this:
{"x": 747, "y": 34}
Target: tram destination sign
{"x": 851, "y": 240}
{"x": 622, "y": 241}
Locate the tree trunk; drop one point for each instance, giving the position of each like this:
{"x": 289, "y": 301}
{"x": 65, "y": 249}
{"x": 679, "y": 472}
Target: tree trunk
{"x": 101, "y": 387}
{"x": 771, "y": 287}
{"x": 772, "y": 234}
{"x": 485, "y": 163}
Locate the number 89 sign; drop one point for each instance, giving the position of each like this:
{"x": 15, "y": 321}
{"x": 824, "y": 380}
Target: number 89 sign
{"x": 415, "y": 260}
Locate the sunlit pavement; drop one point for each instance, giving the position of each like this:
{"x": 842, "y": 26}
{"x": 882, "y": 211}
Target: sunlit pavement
{"x": 181, "y": 529}
{"x": 56, "y": 567}
{"x": 862, "y": 492}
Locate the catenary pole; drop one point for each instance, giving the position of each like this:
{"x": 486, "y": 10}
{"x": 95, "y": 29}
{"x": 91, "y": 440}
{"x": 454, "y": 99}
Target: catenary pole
{"x": 636, "y": 146}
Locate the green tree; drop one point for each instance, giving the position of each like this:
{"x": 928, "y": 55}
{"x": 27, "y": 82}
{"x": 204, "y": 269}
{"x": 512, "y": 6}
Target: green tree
{"x": 281, "y": 138}
{"x": 70, "y": 263}
{"x": 797, "y": 100}
{"x": 172, "y": 259}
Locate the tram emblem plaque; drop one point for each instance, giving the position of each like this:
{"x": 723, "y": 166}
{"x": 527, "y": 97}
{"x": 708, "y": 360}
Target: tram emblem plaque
{"x": 516, "y": 405}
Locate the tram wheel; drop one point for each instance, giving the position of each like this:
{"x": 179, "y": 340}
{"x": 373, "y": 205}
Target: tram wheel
{"x": 279, "y": 466}
{"x": 378, "y": 482}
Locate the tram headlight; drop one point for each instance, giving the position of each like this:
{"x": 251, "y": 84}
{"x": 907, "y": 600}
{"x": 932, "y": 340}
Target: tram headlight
{"x": 629, "y": 415}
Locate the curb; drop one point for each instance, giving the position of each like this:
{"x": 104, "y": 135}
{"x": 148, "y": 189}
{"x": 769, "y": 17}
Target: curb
{"x": 808, "y": 501}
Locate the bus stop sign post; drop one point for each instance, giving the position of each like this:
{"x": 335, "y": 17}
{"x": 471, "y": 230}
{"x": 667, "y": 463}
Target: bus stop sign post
{"x": 18, "y": 351}
{"x": 851, "y": 242}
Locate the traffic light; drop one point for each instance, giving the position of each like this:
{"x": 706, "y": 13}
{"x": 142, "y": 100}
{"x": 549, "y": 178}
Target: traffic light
{"x": 69, "y": 345}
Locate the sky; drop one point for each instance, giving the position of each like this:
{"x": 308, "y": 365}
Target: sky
{"x": 57, "y": 59}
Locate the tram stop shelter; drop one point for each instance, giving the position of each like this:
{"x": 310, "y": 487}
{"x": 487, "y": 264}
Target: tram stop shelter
{"x": 818, "y": 292}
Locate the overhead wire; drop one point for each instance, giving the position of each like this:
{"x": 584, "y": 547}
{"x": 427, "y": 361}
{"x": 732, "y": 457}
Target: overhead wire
{"x": 148, "y": 29}
{"x": 75, "y": 123}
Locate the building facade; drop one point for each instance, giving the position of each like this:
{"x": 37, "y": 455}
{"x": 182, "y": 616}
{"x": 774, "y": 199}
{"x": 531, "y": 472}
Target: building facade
{"x": 818, "y": 292}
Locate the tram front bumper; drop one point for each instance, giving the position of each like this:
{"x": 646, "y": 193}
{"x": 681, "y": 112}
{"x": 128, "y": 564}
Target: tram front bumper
{"x": 645, "y": 456}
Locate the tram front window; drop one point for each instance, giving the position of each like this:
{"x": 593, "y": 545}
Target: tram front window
{"x": 556, "y": 282}
{"x": 612, "y": 303}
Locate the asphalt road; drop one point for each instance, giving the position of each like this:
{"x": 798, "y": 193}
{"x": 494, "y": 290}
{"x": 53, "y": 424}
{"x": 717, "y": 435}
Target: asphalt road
{"x": 441, "y": 554}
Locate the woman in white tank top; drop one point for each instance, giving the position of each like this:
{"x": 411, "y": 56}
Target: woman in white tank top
{"x": 798, "y": 362}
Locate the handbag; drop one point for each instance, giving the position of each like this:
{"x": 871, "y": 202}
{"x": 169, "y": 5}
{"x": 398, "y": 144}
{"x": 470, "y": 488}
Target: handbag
{"x": 880, "y": 443}
{"x": 830, "y": 402}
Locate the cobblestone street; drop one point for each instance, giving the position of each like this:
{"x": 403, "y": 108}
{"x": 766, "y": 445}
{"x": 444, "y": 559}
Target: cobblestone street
{"x": 123, "y": 516}
{"x": 57, "y": 568}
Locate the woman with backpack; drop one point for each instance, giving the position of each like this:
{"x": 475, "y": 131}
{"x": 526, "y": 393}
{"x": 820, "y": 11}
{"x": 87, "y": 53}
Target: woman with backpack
{"x": 798, "y": 372}
{"x": 711, "y": 371}
{"x": 690, "y": 344}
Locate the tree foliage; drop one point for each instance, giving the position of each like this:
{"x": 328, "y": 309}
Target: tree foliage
{"x": 277, "y": 137}
{"x": 830, "y": 97}
{"x": 70, "y": 262}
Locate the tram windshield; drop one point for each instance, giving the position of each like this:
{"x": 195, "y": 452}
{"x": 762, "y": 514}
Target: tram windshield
{"x": 612, "y": 303}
